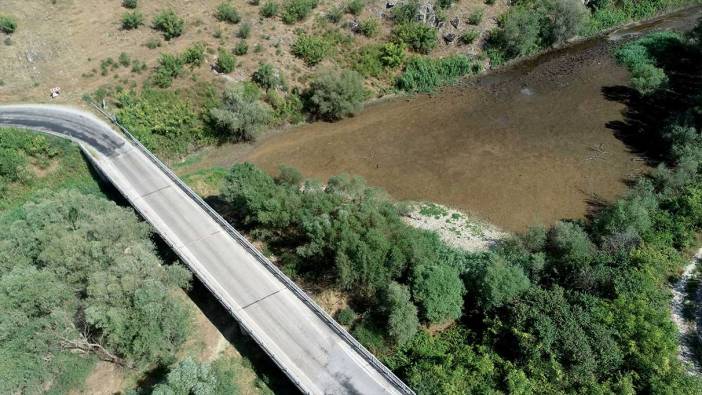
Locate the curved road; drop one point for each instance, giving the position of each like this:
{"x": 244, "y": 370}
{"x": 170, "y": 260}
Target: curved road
{"x": 317, "y": 354}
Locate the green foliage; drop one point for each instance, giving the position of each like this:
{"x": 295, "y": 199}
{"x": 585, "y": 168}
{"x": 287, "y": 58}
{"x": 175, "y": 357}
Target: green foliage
{"x": 335, "y": 14}
{"x": 639, "y": 58}
{"x": 267, "y": 77}
{"x": 406, "y": 12}
{"x": 163, "y": 121}
{"x": 296, "y": 10}
{"x": 194, "y": 55}
{"x": 241, "y": 115}
{"x": 269, "y": 9}
{"x": 369, "y": 27}
{"x": 244, "y": 30}
{"x": 355, "y": 7}
{"x": 418, "y": 36}
{"x": 469, "y": 36}
{"x": 225, "y": 61}
{"x": 170, "y": 24}
{"x": 241, "y": 48}
{"x": 476, "y": 17}
{"x": 67, "y": 253}
{"x": 188, "y": 377}
{"x": 402, "y": 313}
{"x": 8, "y": 24}
{"x": 336, "y": 94}
{"x": 132, "y": 20}
{"x": 439, "y": 292}
{"x": 392, "y": 55}
{"x": 226, "y": 12}
{"x": 169, "y": 68}
{"x": 422, "y": 74}
{"x": 129, "y": 3}
{"x": 312, "y": 49}
{"x": 444, "y": 4}
{"x": 346, "y": 316}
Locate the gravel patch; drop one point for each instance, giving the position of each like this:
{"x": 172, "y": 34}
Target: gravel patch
{"x": 454, "y": 227}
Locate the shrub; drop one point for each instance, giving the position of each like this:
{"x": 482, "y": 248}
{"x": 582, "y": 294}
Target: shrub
{"x": 406, "y": 12}
{"x": 296, "y": 10}
{"x": 346, "y": 316}
{"x": 241, "y": 114}
{"x": 311, "y": 49}
{"x": 169, "y": 67}
{"x": 8, "y": 24}
{"x": 367, "y": 61}
{"x": 132, "y": 20}
{"x": 402, "y": 313}
{"x": 392, "y": 55}
{"x": 567, "y": 18}
{"x": 124, "y": 60}
{"x": 241, "y": 48}
{"x": 153, "y": 43}
{"x": 129, "y": 4}
{"x": 418, "y": 36}
{"x": 269, "y": 9}
{"x": 336, "y": 94}
{"x": 266, "y": 76}
{"x": 355, "y": 7}
{"x": 443, "y": 4}
{"x": 194, "y": 55}
{"x": 244, "y": 30}
{"x": 438, "y": 290}
{"x": 469, "y": 36}
{"x": 225, "y": 61}
{"x": 227, "y": 13}
{"x": 518, "y": 33}
{"x": 424, "y": 74}
{"x": 169, "y": 23}
{"x": 369, "y": 27}
{"x": 475, "y": 17}
{"x": 334, "y": 14}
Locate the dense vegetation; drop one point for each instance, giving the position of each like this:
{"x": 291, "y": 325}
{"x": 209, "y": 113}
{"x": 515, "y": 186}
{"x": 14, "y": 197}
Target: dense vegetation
{"x": 79, "y": 280}
{"x": 532, "y": 25}
{"x": 579, "y": 307}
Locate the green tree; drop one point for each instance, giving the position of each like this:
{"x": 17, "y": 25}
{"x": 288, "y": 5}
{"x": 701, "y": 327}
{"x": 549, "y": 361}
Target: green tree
{"x": 336, "y": 94}
{"x": 241, "y": 115}
{"x": 500, "y": 283}
{"x": 189, "y": 378}
{"x": 438, "y": 289}
{"x": 402, "y": 313}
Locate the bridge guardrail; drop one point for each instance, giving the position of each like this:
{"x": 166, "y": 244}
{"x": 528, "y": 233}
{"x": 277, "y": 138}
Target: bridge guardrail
{"x": 297, "y": 291}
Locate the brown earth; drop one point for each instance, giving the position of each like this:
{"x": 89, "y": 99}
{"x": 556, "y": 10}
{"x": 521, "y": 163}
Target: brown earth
{"x": 522, "y": 146}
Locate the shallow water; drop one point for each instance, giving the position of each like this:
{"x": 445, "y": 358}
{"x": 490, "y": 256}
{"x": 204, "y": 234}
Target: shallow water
{"x": 528, "y": 144}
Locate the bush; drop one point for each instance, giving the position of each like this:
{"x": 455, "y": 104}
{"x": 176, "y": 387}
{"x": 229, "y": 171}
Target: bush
{"x": 406, "y": 12}
{"x": 567, "y": 18}
{"x": 227, "y": 13}
{"x": 266, "y": 77}
{"x": 334, "y": 14}
{"x": 8, "y": 24}
{"x": 439, "y": 291}
{"x": 444, "y": 4}
{"x": 241, "y": 114}
{"x": 124, "y": 59}
{"x": 169, "y": 67}
{"x": 469, "y": 36}
{"x": 425, "y": 74}
{"x": 346, "y": 316}
{"x": 402, "y": 313}
{"x": 355, "y": 7}
{"x": 296, "y": 10}
{"x": 311, "y": 49}
{"x": 244, "y": 30}
{"x": 418, "y": 36}
{"x": 475, "y": 17}
{"x": 225, "y": 61}
{"x": 169, "y": 23}
{"x": 269, "y": 9}
{"x": 132, "y": 20}
{"x": 129, "y": 4}
{"x": 392, "y": 55}
{"x": 194, "y": 55}
{"x": 336, "y": 94}
{"x": 241, "y": 48}
{"x": 369, "y": 27}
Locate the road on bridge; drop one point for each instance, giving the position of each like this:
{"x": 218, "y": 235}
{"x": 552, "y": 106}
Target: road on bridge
{"x": 315, "y": 352}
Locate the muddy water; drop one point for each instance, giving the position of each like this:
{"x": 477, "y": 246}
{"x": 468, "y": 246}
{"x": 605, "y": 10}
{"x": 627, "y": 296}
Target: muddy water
{"x": 529, "y": 144}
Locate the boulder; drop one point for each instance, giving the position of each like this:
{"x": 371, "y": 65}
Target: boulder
{"x": 449, "y": 38}
{"x": 454, "y": 22}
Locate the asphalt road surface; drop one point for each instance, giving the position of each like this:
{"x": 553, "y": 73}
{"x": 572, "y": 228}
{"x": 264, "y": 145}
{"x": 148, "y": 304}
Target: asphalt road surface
{"x": 316, "y": 356}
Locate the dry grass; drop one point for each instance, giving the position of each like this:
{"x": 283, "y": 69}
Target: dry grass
{"x": 62, "y": 44}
